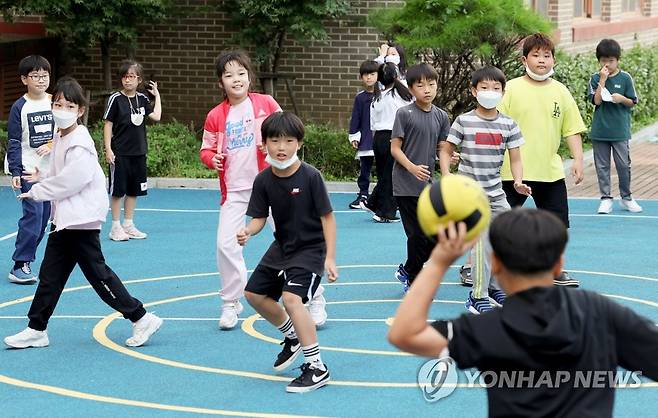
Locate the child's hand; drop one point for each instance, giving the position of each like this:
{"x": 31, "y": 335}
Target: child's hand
{"x": 355, "y": 144}
{"x": 32, "y": 177}
{"x": 421, "y": 172}
{"x": 152, "y": 88}
{"x": 243, "y": 236}
{"x": 16, "y": 182}
{"x": 604, "y": 73}
{"x": 451, "y": 244}
{"x": 617, "y": 98}
{"x": 454, "y": 158}
{"x": 109, "y": 156}
{"x": 577, "y": 171}
{"x": 218, "y": 161}
{"x": 23, "y": 196}
{"x": 523, "y": 189}
{"x": 43, "y": 150}
{"x": 383, "y": 50}
{"x": 331, "y": 269}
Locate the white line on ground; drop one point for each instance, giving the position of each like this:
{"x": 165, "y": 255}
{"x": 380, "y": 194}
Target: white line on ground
{"x": 6, "y": 237}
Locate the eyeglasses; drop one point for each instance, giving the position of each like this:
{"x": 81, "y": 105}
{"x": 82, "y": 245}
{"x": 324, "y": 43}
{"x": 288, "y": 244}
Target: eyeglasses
{"x": 129, "y": 77}
{"x": 39, "y": 77}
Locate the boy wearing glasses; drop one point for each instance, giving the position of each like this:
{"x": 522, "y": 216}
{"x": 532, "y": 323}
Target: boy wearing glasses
{"x": 124, "y": 136}
{"x": 30, "y": 134}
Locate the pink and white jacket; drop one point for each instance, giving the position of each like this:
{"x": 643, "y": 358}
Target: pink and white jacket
{"x": 214, "y": 133}
{"x": 75, "y": 184}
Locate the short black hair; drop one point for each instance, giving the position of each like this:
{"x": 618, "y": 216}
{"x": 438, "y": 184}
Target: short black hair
{"x": 368, "y": 66}
{"x": 126, "y": 65}
{"x": 33, "y": 63}
{"x": 421, "y": 71}
{"x": 280, "y": 124}
{"x": 608, "y": 48}
{"x": 528, "y": 241}
{"x": 537, "y": 41}
{"x": 488, "y": 74}
{"x": 71, "y": 90}
{"x": 238, "y": 56}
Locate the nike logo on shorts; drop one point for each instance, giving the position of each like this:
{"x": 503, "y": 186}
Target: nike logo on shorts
{"x": 290, "y": 283}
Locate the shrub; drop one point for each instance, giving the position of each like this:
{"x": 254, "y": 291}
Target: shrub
{"x": 327, "y": 149}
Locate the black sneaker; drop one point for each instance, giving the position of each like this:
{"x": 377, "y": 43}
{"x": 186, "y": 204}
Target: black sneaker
{"x": 565, "y": 279}
{"x": 291, "y": 349}
{"x": 366, "y": 206}
{"x": 356, "y": 204}
{"x": 465, "y": 276}
{"x": 385, "y": 220}
{"x": 310, "y": 379}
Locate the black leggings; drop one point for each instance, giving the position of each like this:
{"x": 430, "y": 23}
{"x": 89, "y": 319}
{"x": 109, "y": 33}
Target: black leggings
{"x": 549, "y": 196}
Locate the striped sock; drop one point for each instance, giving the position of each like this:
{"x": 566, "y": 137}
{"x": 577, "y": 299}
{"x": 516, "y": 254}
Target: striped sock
{"x": 287, "y": 329}
{"x": 312, "y": 356}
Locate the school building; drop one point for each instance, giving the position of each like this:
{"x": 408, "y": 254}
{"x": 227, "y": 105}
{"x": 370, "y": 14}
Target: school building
{"x": 323, "y": 76}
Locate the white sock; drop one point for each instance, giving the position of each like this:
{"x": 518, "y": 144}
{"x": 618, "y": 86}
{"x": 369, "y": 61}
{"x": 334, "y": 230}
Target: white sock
{"x": 287, "y": 329}
{"x": 128, "y": 222}
{"x": 116, "y": 224}
{"x": 312, "y": 356}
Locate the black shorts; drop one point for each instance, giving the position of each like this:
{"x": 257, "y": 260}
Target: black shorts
{"x": 273, "y": 282}
{"x": 550, "y": 196}
{"x": 128, "y": 176}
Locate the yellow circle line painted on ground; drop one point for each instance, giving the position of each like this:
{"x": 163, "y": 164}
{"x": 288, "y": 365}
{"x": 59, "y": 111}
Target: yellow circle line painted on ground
{"x": 131, "y": 402}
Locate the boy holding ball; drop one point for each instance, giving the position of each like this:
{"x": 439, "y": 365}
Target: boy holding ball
{"x": 483, "y": 135}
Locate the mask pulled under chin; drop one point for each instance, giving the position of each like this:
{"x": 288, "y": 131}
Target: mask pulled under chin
{"x": 281, "y": 165}
{"x": 64, "y": 119}
{"x": 538, "y": 77}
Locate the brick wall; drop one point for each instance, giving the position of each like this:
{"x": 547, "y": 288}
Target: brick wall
{"x": 180, "y": 54}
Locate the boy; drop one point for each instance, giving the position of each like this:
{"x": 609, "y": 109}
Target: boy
{"x": 542, "y": 329}
{"x": 546, "y": 112}
{"x": 124, "y": 136}
{"x": 417, "y": 130}
{"x": 30, "y": 132}
{"x": 483, "y": 135}
{"x": 304, "y": 246}
{"x": 360, "y": 135}
{"x": 613, "y": 93}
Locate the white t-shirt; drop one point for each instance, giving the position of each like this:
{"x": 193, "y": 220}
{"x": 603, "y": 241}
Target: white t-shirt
{"x": 242, "y": 164}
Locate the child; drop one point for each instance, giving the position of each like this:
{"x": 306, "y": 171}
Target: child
{"x": 124, "y": 135}
{"x": 483, "y": 135}
{"x": 360, "y": 135}
{"x": 394, "y": 53}
{"x": 304, "y": 247}
{"x": 75, "y": 184}
{"x": 30, "y": 133}
{"x": 416, "y": 133}
{"x": 384, "y": 106}
{"x": 613, "y": 92}
{"x": 232, "y": 145}
{"x": 546, "y": 112}
{"x": 541, "y": 331}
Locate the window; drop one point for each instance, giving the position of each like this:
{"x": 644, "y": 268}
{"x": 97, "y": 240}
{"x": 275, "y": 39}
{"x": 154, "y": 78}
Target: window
{"x": 587, "y": 8}
{"x": 630, "y": 6}
{"x": 540, "y": 6}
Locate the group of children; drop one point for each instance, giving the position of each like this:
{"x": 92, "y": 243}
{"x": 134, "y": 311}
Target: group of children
{"x": 253, "y": 147}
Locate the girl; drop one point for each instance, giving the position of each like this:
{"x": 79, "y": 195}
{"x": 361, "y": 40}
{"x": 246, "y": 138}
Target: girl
{"x": 76, "y": 186}
{"x": 382, "y": 115}
{"x": 394, "y": 53}
{"x": 233, "y": 146}
{"x": 124, "y": 135}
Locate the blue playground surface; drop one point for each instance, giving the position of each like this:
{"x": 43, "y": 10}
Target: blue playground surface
{"x": 192, "y": 368}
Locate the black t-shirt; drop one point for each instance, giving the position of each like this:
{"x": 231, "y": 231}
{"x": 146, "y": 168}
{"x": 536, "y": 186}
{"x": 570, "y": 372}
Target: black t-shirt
{"x": 297, "y": 204}
{"x": 128, "y": 138}
{"x": 549, "y": 334}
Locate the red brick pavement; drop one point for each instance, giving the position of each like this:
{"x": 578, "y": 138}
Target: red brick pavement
{"x": 644, "y": 172}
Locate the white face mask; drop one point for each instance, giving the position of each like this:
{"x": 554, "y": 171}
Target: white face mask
{"x": 64, "y": 119}
{"x": 606, "y": 96}
{"x": 538, "y": 77}
{"x": 395, "y": 59}
{"x": 281, "y": 165}
{"x": 489, "y": 99}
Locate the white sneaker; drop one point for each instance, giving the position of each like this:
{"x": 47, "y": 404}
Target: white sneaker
{"x": 316, "y": 307}
{"x": 133, "y": 232}
{"x": 143, "y": 329}
{"x": 605, "y": 206}
{"x": 630, "y": 205}
{"x": 230, "y": 312}
{"x": 28, "y": 338}
{"x": 118, "y": 234}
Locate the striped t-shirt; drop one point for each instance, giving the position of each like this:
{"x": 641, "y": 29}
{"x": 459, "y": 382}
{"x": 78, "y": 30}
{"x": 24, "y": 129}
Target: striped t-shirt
{"x": 483, "y": 143}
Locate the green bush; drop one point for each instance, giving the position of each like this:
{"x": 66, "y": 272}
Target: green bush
{"x": 3, "y": 139}
{"x": 327, "y": 149}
